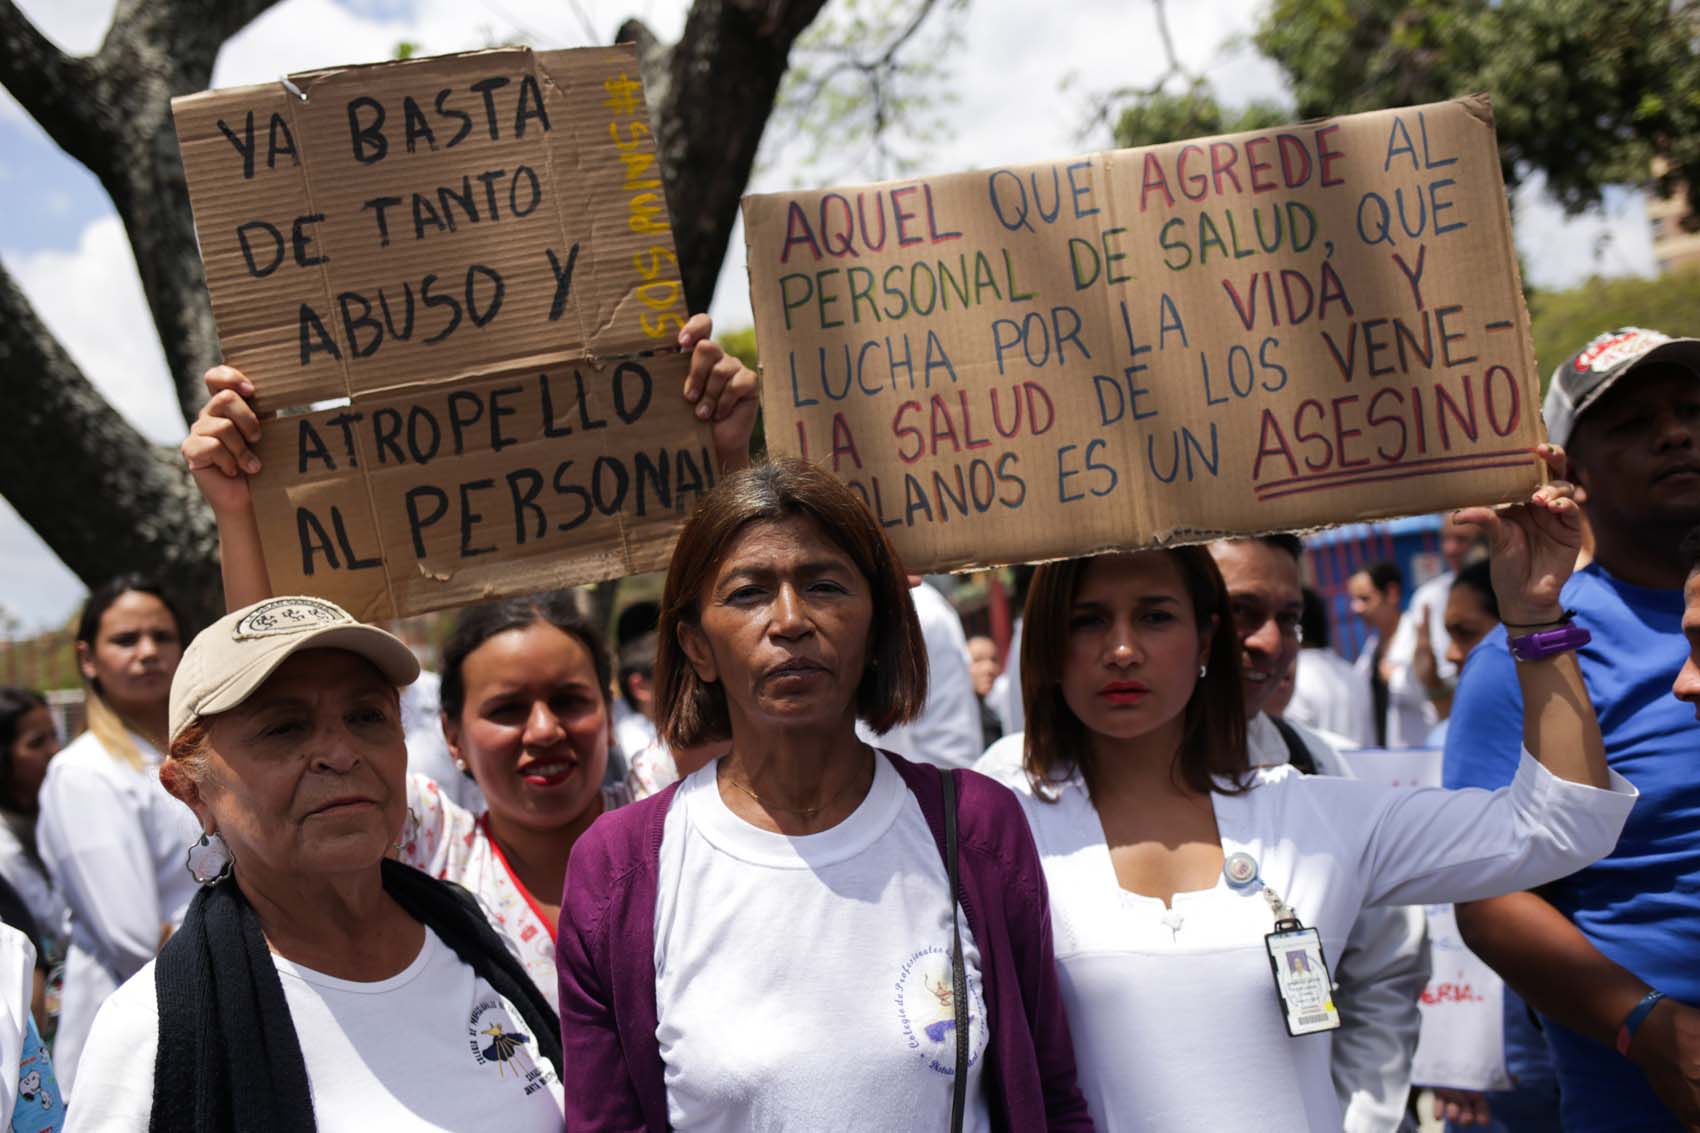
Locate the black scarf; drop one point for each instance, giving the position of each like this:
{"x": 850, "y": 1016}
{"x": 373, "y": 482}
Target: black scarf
{"x": 228, "y": 1055}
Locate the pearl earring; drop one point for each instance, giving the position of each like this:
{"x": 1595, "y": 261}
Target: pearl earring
{"x": 1203, "y": 671}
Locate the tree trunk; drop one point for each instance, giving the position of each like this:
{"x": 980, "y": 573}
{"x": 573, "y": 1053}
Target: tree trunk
{"x": 105, "y": 499}
{"x": 711, "y": 96}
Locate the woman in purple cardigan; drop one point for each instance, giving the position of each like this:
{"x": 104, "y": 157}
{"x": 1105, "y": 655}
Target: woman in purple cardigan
{"x": 771, "y": 943}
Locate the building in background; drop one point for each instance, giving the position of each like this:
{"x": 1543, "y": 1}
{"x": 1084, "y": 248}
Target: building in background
{"x": 1675, "y": 248}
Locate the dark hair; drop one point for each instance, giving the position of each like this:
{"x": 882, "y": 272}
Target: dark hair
{"x": 634, "y": 621}
{"x": 893, "y": 688}
{"x": 15, "y": 704}
{"x": 1283, "y": 541}
{"x": 103, "y": 596}
{"x": 478, "y": 624}
{"x": 637, "y": 659}
{"x": 1383, "y": 575}
{"x": 1057, "y": 743}
{"x": 1478, "y": 576}
{"x": 1313, "y": 620}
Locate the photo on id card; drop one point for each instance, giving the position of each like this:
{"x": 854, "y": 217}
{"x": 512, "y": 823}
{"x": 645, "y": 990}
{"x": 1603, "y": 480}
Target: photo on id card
{"x": 1302, "y": 981}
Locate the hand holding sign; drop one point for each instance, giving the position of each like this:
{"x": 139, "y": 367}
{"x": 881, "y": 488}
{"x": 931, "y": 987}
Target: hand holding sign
{"x": 1534, "y": 547}
{"x": 219, "y": 449}
{"x": 723, "y": 390}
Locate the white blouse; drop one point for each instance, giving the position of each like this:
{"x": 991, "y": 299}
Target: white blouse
{"x": 450, "y": 842}
{"x": 114, "y": 841}
{"x": 1175, "y": 1019}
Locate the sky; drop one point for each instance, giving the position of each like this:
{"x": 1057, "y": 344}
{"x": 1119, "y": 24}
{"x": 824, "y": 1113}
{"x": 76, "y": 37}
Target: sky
{"x": 1018, "y": 82}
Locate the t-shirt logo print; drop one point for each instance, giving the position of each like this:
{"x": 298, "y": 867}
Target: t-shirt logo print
{"x": 496, "y": 1040}
{"x": 926, "y": 1009}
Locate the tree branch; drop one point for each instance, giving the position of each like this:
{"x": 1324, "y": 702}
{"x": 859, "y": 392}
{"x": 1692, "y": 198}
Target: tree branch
{"x": 1101, "y": 108}
{"x": 711, "y": 107}
{"x": 47, "y": 83}
{"x": 95, "y": 490}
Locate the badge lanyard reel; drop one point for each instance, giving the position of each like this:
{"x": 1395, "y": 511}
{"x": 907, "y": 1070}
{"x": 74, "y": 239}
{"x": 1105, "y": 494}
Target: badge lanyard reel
{"x": 1301, "y": 974}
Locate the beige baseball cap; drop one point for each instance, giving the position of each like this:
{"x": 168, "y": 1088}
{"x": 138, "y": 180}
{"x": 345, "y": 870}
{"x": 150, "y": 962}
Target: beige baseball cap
{"x": 230, "y": 659}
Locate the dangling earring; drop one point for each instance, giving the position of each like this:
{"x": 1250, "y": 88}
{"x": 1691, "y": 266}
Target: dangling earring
{"x": 1203, "y": 671}
{"x": 409, "y": 830}
{"x": 208, "y": 860}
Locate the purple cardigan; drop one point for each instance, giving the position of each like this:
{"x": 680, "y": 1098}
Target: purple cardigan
{"x": 605, "y": 952}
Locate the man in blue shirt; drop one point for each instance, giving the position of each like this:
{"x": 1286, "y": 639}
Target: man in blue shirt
{"x": 1588, "y": 952}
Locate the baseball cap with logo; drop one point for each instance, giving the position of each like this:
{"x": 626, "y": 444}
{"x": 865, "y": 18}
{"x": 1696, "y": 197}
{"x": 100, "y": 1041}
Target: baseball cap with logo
{"x": 230, "y": 659}
{"x": 1600, "y": 365}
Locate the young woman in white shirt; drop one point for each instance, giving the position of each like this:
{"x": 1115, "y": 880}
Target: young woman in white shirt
{"x": 527, "y": 715}
{"x": 110, "y": 835}
{"x": 1170, "y": 861}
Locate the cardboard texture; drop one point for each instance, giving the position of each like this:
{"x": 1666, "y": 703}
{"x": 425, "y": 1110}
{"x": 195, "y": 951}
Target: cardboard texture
{"x": 1266, "y": 332}
{"x": 454, "y": 279}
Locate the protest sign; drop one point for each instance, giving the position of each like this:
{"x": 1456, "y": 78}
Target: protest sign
{"x": 453, "y": 284}
{"x": 1270, "y": 331}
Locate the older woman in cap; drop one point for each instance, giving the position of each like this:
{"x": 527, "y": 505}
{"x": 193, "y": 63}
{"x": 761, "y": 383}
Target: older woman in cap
{"x": 314, "y": 984}
{"x": 806, "y": 933}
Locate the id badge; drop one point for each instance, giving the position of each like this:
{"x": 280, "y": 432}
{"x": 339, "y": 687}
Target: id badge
{"x": 1302, "y": 980}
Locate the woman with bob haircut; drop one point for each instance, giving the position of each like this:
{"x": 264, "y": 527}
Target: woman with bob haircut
{"x": 1197, "y": 903}
{"x": 314, "y": 984}
{"x": 771, "y": 942}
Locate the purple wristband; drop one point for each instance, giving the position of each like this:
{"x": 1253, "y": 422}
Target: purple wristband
{"x": 1546, "y": 643}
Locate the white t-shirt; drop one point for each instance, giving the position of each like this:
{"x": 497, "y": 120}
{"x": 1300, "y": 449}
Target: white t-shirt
{"x": 1326, "y": 695}
{"x": 453, "y": 844}
{"x": 1174, "y": 1015}
{"x": 804, "y": 983}
{"x": 114, "y": 841}
{"x": 432, "y": 1047}
{"x": 948, "y": 731}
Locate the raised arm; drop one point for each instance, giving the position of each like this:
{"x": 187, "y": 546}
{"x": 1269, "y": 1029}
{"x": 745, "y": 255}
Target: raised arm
{"x": 220, "y": 452}
{"x": 1534, "y": 548}
{"x": 724, "y": 392}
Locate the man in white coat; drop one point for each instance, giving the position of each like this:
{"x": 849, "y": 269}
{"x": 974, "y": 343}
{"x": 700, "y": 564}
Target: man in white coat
{"x": 1385, "y": 965}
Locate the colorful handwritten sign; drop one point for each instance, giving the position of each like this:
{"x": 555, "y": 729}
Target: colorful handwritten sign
{"x": 453, "y": 283}
{"x": 1271, "y": 331}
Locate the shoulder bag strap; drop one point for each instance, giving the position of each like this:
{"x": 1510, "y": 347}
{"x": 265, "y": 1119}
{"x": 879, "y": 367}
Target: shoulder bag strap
{"x": 1298, "y": 754}
{"x": 958, "y": 973}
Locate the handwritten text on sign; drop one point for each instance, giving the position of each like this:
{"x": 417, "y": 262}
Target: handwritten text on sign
{"x": 470, "y": 256}
{"x": 1263, "y": 332}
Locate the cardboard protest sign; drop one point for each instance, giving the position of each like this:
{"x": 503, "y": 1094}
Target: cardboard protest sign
{"x": 452, "y": 281}
{"x": 1271, "y": 331}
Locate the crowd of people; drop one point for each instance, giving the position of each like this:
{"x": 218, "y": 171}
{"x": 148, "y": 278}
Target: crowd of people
{"x": 788, "y": 849}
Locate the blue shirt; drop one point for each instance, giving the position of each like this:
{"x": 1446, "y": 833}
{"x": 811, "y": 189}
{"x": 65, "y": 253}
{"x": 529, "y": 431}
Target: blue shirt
{"x": 1640, "y": 906}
